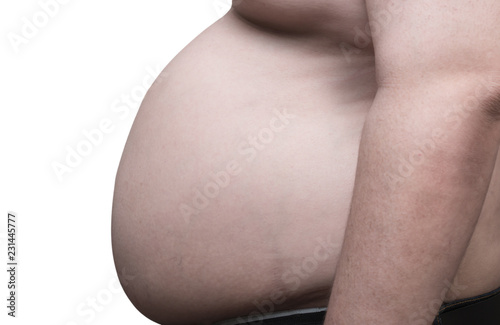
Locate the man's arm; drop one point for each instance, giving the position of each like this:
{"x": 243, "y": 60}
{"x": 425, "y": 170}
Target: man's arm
{"x": 425, "y": 162}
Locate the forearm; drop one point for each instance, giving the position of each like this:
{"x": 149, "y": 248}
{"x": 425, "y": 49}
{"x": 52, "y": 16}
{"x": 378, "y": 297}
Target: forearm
{"x": 421, "y": 180}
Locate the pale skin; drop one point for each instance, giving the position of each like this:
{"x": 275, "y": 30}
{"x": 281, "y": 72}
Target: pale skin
{"x": 426, "y": 221}
{"x": 362, "y": 163}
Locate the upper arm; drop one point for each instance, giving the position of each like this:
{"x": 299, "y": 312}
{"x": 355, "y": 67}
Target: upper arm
{"x": 440, "y": 42}
{"x": 428, "y": 38}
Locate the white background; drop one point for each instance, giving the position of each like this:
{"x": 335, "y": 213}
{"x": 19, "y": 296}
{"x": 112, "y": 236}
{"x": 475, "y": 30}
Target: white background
{"x": 61, "y": 81}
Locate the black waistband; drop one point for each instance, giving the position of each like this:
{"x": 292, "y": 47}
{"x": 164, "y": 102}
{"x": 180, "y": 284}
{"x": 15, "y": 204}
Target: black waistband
{"x": 479, "y": 310}
{"x": 482, "y": 310}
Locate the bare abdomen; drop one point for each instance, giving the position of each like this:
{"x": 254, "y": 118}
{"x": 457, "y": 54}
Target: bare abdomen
{"x": 235, "y": 183}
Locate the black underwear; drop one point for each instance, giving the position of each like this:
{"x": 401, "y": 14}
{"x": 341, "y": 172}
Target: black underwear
{"x": 479, "y": 310}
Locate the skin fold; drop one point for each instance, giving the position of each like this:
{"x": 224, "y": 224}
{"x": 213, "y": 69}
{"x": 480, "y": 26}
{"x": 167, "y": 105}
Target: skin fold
{"x": 233, "y": 195}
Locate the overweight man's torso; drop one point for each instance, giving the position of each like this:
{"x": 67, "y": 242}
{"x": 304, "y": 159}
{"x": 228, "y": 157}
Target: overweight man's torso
{"x": 234, "y": 187}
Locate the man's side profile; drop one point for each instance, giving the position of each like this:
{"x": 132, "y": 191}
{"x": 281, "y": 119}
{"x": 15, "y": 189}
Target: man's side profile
{"x": 319, "y": 162}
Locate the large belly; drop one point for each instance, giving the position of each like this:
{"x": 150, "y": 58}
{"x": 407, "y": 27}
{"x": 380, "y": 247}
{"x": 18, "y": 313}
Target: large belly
{"x": 235, "y": 183}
